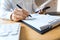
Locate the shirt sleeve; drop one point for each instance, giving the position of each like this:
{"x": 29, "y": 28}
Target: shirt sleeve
{"x": 5, "y": 9}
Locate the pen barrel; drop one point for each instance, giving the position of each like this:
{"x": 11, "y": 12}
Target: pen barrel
{"x": 45, "y": 8}
{"x": 18, "y": 6}
{"x": 21, "y": 8}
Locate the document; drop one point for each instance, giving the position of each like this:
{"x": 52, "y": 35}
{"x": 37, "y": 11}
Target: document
{"x": 9, "y": 29}
{"x": 42, "y": 22}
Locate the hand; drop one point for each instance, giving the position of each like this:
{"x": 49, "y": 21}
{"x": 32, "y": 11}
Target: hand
{"x": 42, "y": 12}
{"x": 19, "y": 14}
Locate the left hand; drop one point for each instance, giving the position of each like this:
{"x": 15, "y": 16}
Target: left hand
{"x": 42, "y": 12}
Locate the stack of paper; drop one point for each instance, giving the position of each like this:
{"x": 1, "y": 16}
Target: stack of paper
{"x": 6, "y": 29}
{"x": 42, "y": 22}
{"x": 9, "y": 31}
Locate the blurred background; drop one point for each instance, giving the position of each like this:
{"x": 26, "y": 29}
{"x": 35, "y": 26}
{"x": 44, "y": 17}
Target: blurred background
{"x": 52, "y": 4}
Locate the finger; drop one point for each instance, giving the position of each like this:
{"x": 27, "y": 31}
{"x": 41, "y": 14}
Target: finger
{"x": 19, "y": 17}
{"x": 22, "y": 14}
{"x": 25, "y": 16}
{"x": 18, "y": 13}
{"x": 16, "y": 18}
{"x": 18, "y": 9}
{"x": 25, "y": 12}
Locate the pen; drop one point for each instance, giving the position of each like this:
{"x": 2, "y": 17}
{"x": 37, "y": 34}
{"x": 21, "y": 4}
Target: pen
{"x": 45, "y": 8}
{"x": 22, "y": 8}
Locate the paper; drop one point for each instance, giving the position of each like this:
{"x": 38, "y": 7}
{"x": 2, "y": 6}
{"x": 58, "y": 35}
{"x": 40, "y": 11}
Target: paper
{"x": 41, "y": 21}
{"x": 9, "y": 29}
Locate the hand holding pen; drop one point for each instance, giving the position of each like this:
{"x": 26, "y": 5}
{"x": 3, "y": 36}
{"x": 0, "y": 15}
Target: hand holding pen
{"x": 19, "y": 14}
{"x": 22, "y": 8}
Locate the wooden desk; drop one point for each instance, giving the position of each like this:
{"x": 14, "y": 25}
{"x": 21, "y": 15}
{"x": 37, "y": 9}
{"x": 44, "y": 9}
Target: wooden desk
{"x": 29, "y": 34}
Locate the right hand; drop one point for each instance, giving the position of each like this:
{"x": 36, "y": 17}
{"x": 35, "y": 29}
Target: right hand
{"x": 19, "y": 14}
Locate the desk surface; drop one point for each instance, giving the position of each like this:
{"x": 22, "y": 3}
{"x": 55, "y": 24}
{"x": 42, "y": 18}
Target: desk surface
{"x": 29, "y": 34}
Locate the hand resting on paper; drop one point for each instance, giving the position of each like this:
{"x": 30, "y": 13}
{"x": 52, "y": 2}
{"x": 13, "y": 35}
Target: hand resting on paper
{"x": 19, "y": 14}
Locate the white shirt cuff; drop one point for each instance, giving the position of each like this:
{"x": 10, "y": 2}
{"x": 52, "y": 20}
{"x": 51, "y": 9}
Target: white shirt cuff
{"x": 6, "y": 15}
